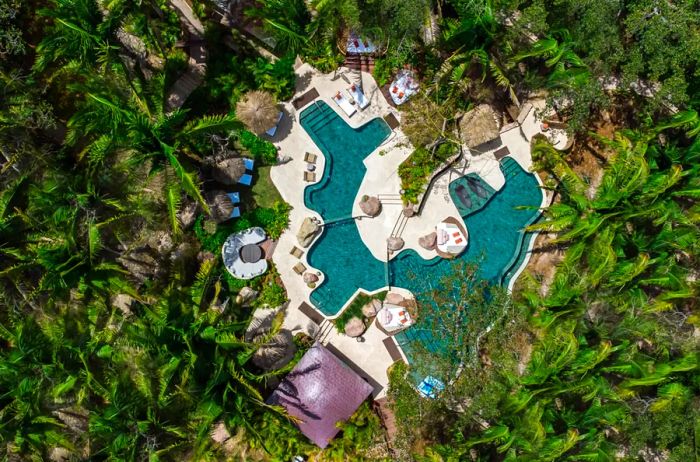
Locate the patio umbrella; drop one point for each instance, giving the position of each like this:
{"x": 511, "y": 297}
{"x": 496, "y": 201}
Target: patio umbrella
{"x": 258, "y": 111}
{"x": 479, "y": 126}
{"x": 229, "y": 171}
{"x": 220, "y": 205}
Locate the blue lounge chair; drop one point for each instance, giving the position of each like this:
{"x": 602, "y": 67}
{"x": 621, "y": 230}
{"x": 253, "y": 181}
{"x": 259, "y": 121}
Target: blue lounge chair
{"x": 236, "y": 213}
{"x": 246, "y": 179}
{"x": 235, "y": 197}
{"x": 430, "y": 387}
{"x": 249, "y": 163}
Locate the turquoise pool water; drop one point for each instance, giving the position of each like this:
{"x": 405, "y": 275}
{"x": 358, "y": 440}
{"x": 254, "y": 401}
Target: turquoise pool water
{"x": 494, "y": 220}
{"x": 344, "y": 148}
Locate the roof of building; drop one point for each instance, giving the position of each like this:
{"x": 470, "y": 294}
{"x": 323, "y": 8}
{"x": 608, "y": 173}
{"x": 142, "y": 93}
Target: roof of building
{"x": 321, "y": 391}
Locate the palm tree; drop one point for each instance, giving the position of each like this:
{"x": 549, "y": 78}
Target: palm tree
{"x": 258, "y": 111}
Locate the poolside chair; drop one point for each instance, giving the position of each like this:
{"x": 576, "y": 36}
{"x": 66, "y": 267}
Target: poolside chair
{"x": 249, "y": 163}
{"x": 310, "y": 158}
{"x": 359, "y": 97}
{"x": 310, "y": 177}
{"x": 236, "y": 213}
{"x": 344, "y": 104}
{"x": 246, "y": 179}
{"x": 299, "y": 268}
{"x": 235, "y": 197}
{"x": 296, "y": 251}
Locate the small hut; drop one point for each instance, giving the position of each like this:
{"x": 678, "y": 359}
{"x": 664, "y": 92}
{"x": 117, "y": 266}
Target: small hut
{"x": 220, "y": 205}
{"x": 258, "y": 111}
{"x": 479, "y": 126}
{"x": 229, "y": 171}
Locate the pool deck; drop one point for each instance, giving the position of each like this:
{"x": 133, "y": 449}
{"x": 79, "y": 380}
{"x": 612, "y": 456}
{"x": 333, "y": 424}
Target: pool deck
{"x": 381, "y": 178}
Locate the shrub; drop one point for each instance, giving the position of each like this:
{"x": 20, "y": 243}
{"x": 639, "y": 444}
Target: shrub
{"x": 417, "y": 168}
{"x": 272, "y": 294}
{"x": 354, "y": 309}
{"x": 273, "y": 220}
{"x": 260, "y": 149}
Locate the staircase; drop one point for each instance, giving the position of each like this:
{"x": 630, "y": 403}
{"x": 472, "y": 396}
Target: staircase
{"x": 390, "y": 199}
{"x": 316, "y": 117}
{"x": 324, "y": 331}
{"x": 362, "y": 63}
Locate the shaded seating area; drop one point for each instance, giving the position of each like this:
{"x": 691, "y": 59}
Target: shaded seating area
{"x": 242, "y": 254}
{"x": 451, "y": 238}
{"x": 320, "y": 392}
{"x": 223, "y": 205}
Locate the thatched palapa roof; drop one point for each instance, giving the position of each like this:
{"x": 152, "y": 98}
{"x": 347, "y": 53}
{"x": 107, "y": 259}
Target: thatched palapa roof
{"x": 229, "y": 171}
{"x": 479, "y": 126}
{"x": 258, "y": 111}
{"x": 220, "y": 205}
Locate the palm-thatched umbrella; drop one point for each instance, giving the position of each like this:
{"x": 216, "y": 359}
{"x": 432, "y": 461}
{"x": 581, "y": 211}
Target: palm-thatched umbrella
{"x": 220, "y": 205}
{"x": 479, "y": 126}
{"x": 229, "y": 171}
{"x": 258, "y": 111}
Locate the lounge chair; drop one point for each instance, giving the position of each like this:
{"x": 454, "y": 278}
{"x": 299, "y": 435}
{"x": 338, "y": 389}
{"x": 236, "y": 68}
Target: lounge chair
{"x": 360, "y": 98}
{"x": 299, "y": 268}
{"x": 249, "y": 163}
{"x": 235, "y": 197}
{"x": 310, "y": 177}
{"x": 344, "y": 104}
{"x": 273, "y": 130}
{"x": 236, "y": 213}
{"x": 246, "y": 179}
{"x": 310, "y": 158}
{"x": 296, "y": 251}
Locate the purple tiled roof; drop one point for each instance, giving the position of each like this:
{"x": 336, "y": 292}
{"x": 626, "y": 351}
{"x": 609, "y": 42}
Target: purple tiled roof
{"x": 321, "y": 391}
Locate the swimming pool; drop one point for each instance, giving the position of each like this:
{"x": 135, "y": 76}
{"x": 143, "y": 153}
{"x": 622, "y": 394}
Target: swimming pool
{"x": 344, "y": 148}
{"x": 494, "y": 219}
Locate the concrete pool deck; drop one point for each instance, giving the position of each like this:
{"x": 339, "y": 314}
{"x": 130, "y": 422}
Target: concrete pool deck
{"x": 381, "y": 179}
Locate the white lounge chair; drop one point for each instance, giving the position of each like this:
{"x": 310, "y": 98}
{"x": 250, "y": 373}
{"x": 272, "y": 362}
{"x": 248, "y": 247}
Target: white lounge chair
{"x": 344, "y": 104}
{"x": 359, "y": 97}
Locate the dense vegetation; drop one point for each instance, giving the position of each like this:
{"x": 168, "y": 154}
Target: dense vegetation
{"x": 121, "y": 337}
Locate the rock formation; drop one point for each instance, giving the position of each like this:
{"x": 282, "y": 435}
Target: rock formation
{"x": 429, "y": 241}
{"x": 395, "y": 243}
{"x": 308, "y": 230}
{"x": 370, "y": 206}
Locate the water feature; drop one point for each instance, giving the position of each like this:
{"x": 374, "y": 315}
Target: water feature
{"x": 495, "y": 221}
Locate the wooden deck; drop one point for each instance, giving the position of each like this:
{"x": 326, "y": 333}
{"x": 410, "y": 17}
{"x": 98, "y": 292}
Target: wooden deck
{"x": 305, "y": 99}
{"x": 392, "y": 349}
{"x": 501, "y": 153}
{"x": 311, "y": 313}
{"x": 391, "y": 121}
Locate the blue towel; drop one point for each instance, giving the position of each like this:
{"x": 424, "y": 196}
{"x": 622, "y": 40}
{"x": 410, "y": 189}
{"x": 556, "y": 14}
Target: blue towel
{"x": 235, "y": 197}
{"x": 246, "y": 179}
{"x": 249, "y": 164}
{"x": 236, "y": 213}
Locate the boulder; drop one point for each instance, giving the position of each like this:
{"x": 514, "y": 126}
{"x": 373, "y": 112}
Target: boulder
{"x": 371, "y": 309}
{"x": 219, "y": 434}
{"x": 393, "y": 298}
{"x": 246, "y": 296}
{"x": 370, "y": 206}
{"x": 307, "y": 231}
{"x": 409, "y": 211}
{"x": 310, "y": 277}
{"x": 429, "y": 241}
{"x": 59, "y": 454}
{"x": 355, "y": 327}
{"x": 395, "y": 243}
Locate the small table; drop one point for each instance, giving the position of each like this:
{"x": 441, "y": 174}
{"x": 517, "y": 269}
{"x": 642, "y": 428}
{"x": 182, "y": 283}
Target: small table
{"x": 310, "y": 167}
